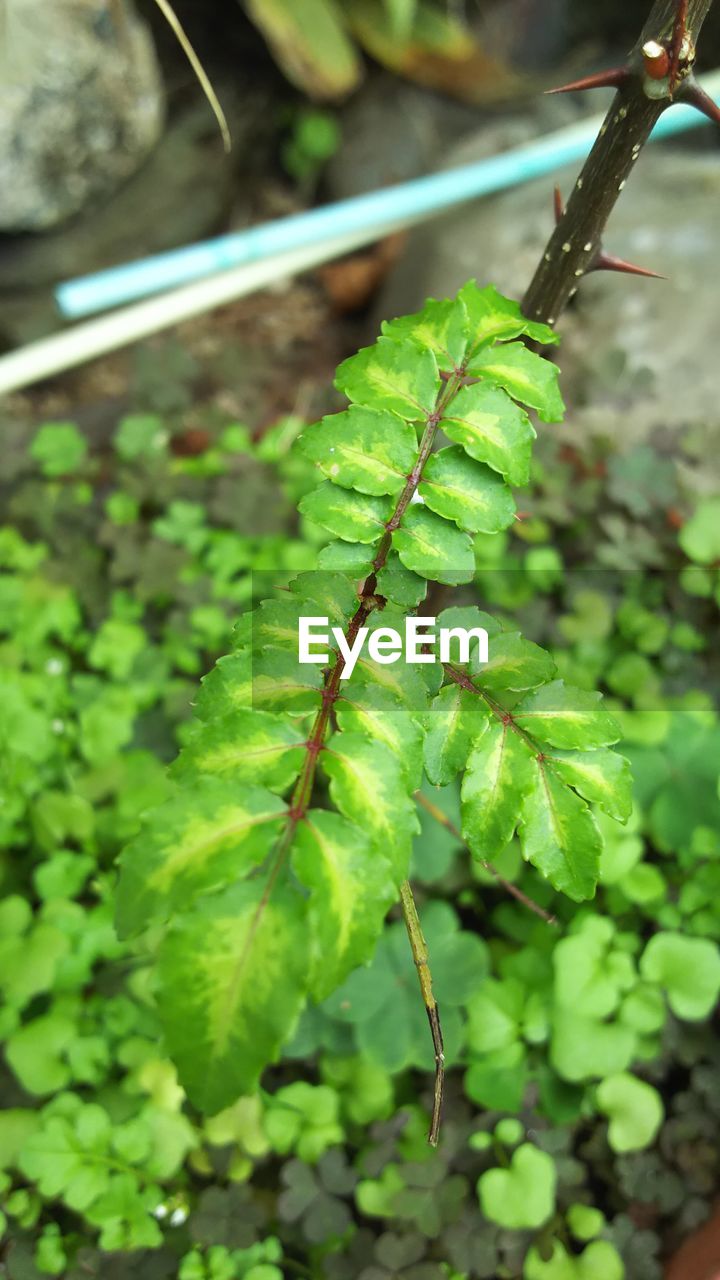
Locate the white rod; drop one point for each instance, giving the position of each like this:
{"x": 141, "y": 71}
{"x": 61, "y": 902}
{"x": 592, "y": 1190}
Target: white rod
{"x": 61, "y": 351}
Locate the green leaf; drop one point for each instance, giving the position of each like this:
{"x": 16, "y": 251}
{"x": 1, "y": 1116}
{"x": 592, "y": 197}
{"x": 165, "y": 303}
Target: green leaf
{"x": 455, "y": 329}
{"x": 233, "y": 976}
{"x": 527, "y": 377}
{"x": 634, "y": 1109}
{"x": 700, "y": 537}
{"x": 354, "y": 517}
{"x": 457, "y": 718}
{"x": 514, "y": 665}
{"x": 523, "y": 1195}
{"x": 468, "y": 492}
{"x": 688, "y": 969}
{"x": 311, "y": 46}
{"x": 364, "y": 449}
{"x": 441, "y": 326}
{"x": 397, "y": 376}
{"x": 367, "y": 785}
{"x": 601, "y": 776}
{"x": 347, "y": 557}
{"x": 566, "y": 717}
{"x": 499, "y": 774}
{"x": 202, "y": 838}
{"x": 351, "y": 886}
{"x": 37, "y": 1053}
{"x": 428, "y": 545}
{"x": 244, "y": 746}
{"x": 374, "y": 712}
{"x": 491, "y": 428}
{"x": 59, "y": 448}
{"x": 399, "y": 585}
{"x": 282, "y": 684}
{"x": 70, "y": 1159}
{"x": 16, "y": 1126}
{"x": 560, "y": 837}
{"x": 600, "y": 1261}
{"x": 228, "y": 685}
{"x": 585, "y": 1049}
{"x": 492, "y": 317}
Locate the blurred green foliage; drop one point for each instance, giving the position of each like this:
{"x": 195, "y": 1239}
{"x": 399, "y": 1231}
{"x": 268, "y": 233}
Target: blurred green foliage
{"x": 583, "y": 1066}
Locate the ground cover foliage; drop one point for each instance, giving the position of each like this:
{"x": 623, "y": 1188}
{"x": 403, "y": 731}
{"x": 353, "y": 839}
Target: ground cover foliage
{"x": 581, "y": 1124}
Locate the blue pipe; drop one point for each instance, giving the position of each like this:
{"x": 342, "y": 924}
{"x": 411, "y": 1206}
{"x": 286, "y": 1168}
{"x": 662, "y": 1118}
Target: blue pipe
{"x": 407, "y": 201}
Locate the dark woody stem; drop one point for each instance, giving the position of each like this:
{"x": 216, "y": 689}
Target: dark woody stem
{"x": 576, "y": 242}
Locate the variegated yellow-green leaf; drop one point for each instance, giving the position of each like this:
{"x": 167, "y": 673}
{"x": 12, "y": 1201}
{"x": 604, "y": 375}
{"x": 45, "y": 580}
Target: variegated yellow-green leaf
{"x": 397, "y": 376}
{"x": 347, "y": 557}
{"x": 527, "y": 377}
{"x": 457, "y": 719}
{"x": 400, "y": 585}
{"x": 229, "y": 684}
{"x": 468, "y": 492}
{"x": 493, "y": 318}
{"x": 566, "y": 717}
{"x": 375, "y": 712}
{"x": 354, "y": 517}
{"x": 351, "y": 888}
{"x": 491, "y": 428}
{"x": 283, "y": 684}
{"x": 441, "y": 326}
{"x": 560, "y": 837}
{"x": 499, "y": 774}
{"x": 233, "y": 977}
{"x": 201, "y": 838}
{"x": 602, "y": 776}
{"x": 432, "y": 547}
{"x": 514, "y": 665}
{"x": 365, "y": 449}
{"x": 368, "y": 787}
{"x": 332, "y": 592}
{"x": 244, "y": 746}
{"x": 456, "y": 328}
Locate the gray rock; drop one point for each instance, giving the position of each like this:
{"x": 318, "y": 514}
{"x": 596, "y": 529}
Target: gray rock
{"x": 638, "y": 356}
{"x": 81, "y": 105}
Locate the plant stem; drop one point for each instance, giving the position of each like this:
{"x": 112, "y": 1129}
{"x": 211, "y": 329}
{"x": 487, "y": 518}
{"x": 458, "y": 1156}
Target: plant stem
{"x": 577, "y": 239}
{"x": 419, "y": 950}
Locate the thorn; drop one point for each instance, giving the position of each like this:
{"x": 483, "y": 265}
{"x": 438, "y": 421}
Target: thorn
{"x": 613, "y": 79}
{"x": 695, "y": 96}
{"x": 608, "y": 262}
{"x": 559, "y": 205}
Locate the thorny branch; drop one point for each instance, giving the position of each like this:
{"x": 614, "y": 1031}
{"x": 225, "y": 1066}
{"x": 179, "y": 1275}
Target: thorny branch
{"x": 642, "y": 95}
